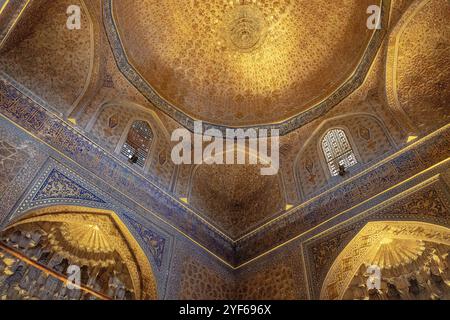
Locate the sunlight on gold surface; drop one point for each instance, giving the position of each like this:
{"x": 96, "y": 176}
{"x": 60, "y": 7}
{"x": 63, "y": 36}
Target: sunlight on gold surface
{"x": 242, "y": 62}
{"x": 94, "y": 237}
{"x": 396, "y": 252}
{"x": 391, "y": 245}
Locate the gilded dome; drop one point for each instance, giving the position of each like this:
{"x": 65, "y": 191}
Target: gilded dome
{"x": 243, "y": 63}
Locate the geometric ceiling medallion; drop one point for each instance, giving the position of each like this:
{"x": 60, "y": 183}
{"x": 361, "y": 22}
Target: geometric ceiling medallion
{"x": 245, "y": 28}
{"x": 244, "y": 64}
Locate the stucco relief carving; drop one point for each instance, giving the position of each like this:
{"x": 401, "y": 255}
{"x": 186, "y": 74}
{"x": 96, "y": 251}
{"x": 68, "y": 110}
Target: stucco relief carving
{"x": 359, "y": 249}
{"x": 12, "y": 160}
{"x": 417, "y": 69}
{"x": 47, "y": 63}
{"x": 94, "y": 239}
{"x": 110, "y": 127}
{"x": 367, "y": 135}
{"x": 171, "y": 93}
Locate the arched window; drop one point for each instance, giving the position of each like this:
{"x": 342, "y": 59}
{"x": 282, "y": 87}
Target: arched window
{"x": 138, "y": 143}
{"x": 338, "y": 151}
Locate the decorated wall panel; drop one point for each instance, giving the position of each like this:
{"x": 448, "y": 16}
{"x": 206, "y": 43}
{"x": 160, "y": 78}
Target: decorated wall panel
{"x": 195, "y": 276}
{"x": 429, "y": 204}
{"x": 111, "y": 124}
{"x": 20, "y": 160}
{"x": 278, "y": 275}
{"x": 58, "y": 185}
{"x": 367, "y": 136}
{"x": 234, "y": 238}
{"x": 233, "y": 204}
{"x": 75, "y": 148}
{"x": 52, "y": 60}
{"x": 418, "y": 69}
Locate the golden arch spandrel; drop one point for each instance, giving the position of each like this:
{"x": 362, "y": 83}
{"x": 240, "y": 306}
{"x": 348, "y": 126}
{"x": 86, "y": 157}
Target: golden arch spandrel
{"x": 95, "y": 232}
{"x": 363, "y": 247}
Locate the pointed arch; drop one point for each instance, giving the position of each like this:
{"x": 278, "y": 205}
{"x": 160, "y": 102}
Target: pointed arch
{"x": 311, "y": 150}
{"x": 338, "y": 150}
{"x": 113, "y": 134}
{"x": 392, "y": 54}
{"x": 238, "y": 212}
{"x": 249, "y": 152}
{"x": 152, "y": 117}
{"x": 364, "y": 247}
{"x": 93, "y": 238}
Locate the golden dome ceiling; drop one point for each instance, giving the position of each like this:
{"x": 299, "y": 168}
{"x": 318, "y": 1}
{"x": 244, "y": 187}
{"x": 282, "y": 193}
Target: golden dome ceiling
{"x": 243, "y": 63}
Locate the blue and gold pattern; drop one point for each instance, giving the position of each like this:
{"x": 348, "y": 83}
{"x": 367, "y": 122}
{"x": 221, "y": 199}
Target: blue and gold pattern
{"x": 59, "y": 186}
{"x": 154, "y": 241}
{"x": 375, "y": 180}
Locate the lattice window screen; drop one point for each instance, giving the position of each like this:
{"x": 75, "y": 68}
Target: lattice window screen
{"x": 138, "y": 143}
{"x": 338, "y": 151}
